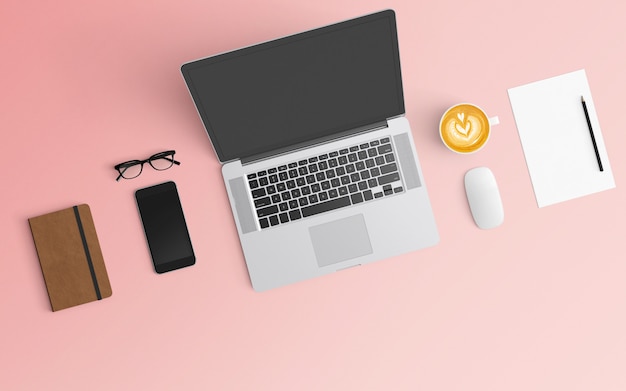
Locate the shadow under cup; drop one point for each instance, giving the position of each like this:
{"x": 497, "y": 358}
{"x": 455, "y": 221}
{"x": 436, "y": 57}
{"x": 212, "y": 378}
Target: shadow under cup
{"x": 464, "y": 128}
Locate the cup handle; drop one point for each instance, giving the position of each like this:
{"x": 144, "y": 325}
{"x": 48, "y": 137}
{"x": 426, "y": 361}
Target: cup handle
{"x": 494, "y": 121}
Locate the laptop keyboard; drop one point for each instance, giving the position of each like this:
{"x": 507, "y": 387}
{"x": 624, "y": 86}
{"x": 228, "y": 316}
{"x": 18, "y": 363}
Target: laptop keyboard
{"x": 326, "y": 182}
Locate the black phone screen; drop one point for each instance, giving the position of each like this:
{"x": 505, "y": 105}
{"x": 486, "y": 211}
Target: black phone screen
{"x": 165, "y": 227}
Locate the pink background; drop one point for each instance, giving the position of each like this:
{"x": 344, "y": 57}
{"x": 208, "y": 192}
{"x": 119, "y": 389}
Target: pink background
{"x": 536, "y": 304}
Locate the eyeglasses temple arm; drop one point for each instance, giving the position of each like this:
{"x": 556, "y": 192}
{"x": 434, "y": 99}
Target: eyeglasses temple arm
{"x": 172, "y": 160}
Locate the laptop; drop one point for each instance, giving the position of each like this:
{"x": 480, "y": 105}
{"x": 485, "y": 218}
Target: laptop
{"x": 318, "y": 159}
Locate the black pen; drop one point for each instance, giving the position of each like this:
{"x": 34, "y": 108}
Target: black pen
{"x": 593, "y": 138}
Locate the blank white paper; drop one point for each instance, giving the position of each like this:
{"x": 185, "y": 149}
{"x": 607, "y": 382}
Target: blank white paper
{"x": 556, "y": 141}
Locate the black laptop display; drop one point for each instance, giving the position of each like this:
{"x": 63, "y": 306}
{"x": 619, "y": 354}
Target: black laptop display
{"x": 300, "y": 88}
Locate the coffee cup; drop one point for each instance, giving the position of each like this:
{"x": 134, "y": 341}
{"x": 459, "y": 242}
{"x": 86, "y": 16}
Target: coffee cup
{"x": 465, "y": 128}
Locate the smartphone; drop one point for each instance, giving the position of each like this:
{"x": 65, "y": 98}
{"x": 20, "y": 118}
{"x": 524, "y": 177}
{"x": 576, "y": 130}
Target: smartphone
{"x": 165, "y": 227}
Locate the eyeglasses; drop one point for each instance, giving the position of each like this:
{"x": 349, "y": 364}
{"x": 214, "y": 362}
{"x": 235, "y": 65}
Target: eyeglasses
{"x": 159, "y": 161}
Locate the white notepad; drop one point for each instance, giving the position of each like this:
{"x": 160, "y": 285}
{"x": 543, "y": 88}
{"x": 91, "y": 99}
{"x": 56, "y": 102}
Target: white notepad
{"x": 556, "y": 140}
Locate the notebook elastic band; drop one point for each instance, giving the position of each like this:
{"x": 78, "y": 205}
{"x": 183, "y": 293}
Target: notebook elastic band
{"x": 87, "y": 254}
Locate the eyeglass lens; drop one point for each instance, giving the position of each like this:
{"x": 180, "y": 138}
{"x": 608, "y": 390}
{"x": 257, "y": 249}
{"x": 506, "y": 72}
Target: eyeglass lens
{"x": 131, "y": 169}
{"x": 161, "y": 161}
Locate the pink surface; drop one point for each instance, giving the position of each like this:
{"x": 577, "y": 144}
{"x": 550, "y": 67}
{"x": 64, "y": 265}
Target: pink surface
{"x": 536, "y": 304}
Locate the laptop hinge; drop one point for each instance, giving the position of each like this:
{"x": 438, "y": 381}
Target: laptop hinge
{"x": 318, "y": 141}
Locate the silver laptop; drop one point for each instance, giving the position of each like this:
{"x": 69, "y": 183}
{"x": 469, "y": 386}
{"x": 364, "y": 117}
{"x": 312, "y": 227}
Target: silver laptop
{"x": 318, "y": 159}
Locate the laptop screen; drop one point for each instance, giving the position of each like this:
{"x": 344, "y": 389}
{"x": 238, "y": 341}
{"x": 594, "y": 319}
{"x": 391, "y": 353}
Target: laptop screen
{"x": 300, "y": 88}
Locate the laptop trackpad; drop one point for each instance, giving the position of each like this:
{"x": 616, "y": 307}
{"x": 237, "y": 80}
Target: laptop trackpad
{"x": 340, "y": 240}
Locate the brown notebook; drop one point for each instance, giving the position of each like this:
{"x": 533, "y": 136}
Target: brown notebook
{"x": 70, "y": 257}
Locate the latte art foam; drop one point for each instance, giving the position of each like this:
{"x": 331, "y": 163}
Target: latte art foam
{"x": 464, "y": 128}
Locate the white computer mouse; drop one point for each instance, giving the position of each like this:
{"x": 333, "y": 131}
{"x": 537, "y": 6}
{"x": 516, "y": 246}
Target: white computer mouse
{"x": 483, "y": 197}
